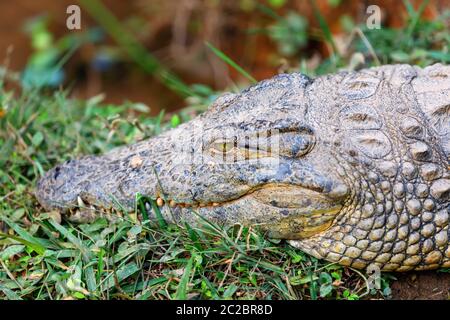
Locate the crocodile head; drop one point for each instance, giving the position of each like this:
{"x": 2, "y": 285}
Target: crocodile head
{"x": 255, "y": 157}
{"x": 343, "y": 165}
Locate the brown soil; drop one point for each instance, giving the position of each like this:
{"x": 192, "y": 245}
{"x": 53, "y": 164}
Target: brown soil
{"x": 425, "y": 285}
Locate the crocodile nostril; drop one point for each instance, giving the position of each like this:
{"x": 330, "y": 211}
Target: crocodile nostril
{"x": 57, "y": 172}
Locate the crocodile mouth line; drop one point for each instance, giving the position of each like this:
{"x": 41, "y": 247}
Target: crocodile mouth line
{"x": 280, "y": 196}
{"x": 286, "y": 191}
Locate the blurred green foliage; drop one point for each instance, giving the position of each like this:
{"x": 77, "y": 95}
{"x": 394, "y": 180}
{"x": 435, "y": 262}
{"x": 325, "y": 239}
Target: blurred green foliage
{"x": 428, "y": 42}
{"x": 44, "y": 67}
{"x": 290, "y": 33}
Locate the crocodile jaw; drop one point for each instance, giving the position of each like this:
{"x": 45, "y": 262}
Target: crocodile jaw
{"x": 283, "y": 211}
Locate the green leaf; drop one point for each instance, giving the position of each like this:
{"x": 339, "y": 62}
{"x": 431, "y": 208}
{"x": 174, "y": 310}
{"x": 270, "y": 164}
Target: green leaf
{"x": 69, "y": 236}
{"x": 42, "y": 40}
{"x": 277, "y": 3}
{"x": 19, "y": 213}
{"x": 175, "y": 121}
{"x": 400, "y": 56}
{"x": 37, "y": 139}
{"x": 297, "y": 280}
{"x": 79, "y": 295}
{"x": 11, "y": 295}
{"x": 123, "y": 273}
{"x": 336, "y": 275}
{"x": 135, "y": 230}
{"x": 325, "y": 289}
{"x": 141, "y": 107}
{"x": 325, "y": 278}
{"x": 296, "y": 258}
{"x": 193, "y": 236}
{"x": 334, "y": 3}
{"x": 181, "y": 293}
{"x": 37, "y": 244}
{"x": 229, "y": 292}
{"x": 90, "y": 278}
{"x": 11, "y": 251}
{"x": 438, "y": 55}
{"x": 313, "y": 290}
{"x": 100, "y": 264}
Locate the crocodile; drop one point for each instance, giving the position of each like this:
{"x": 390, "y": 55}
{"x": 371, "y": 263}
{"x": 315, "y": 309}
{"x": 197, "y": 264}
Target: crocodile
{"x": 351, "y": 167}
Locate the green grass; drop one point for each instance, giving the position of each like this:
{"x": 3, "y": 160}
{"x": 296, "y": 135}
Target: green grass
{"x": 42, "y": 256}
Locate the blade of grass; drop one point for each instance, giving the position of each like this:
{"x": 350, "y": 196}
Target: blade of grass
{"x": 11, "y": 295}
{"x": 181, "y": 293}
{"x": 86, "y": 254}
{"x": 68, "y": 235}
{"x": 90, "y": 278}
{"x": 37, "y": 244}
{"x": 123, "y": 273}
{"x": 39, "y": 249}
{"x": 409, "y": 8}
{"x": 438, "y": 55}
{"x": 324, "y": 26}
{"x": 100, "y": 264}
{"x": 230, "y": 62}
{"x": 415, "y": 17}
{"x": 193, "y": 236}
{"x": 133, "y": 48}
{"x": 368, "y": 45}
{"x": 268, "y": 11}
{"x": 144, "y": 285}
{"x": 161, "y": 222}
{"x": 141, "y": 206}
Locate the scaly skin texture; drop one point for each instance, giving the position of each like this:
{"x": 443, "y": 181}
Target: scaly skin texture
{"x": 352, "y": 167}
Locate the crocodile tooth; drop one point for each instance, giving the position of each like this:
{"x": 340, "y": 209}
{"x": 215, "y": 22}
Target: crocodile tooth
{"x": 80, "y": 202}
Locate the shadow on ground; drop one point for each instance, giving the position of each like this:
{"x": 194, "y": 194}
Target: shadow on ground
{"x": 426, "y": 285}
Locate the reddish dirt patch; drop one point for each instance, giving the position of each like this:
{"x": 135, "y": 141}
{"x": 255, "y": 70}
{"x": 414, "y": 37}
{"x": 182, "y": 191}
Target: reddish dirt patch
{"x": 430, "y": 285}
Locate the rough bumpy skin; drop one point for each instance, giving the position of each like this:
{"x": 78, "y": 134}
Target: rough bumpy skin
{"x": 358, "y": 174}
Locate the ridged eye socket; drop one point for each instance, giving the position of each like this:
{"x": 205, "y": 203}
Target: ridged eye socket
{"x": 292, "y": 144}
{"x": 295, "y": 144}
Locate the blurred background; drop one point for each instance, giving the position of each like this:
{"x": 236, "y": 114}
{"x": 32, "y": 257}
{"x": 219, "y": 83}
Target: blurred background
{"x": 139, "y": 67}
{"x": 159, "y": 52}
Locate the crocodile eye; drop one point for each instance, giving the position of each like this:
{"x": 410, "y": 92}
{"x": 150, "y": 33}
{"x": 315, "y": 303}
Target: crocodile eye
{"x": 222, "y": 147}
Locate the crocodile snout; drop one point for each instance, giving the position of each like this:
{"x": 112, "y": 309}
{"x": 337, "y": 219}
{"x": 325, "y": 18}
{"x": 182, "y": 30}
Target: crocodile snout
{"x": 60, "y": 187}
